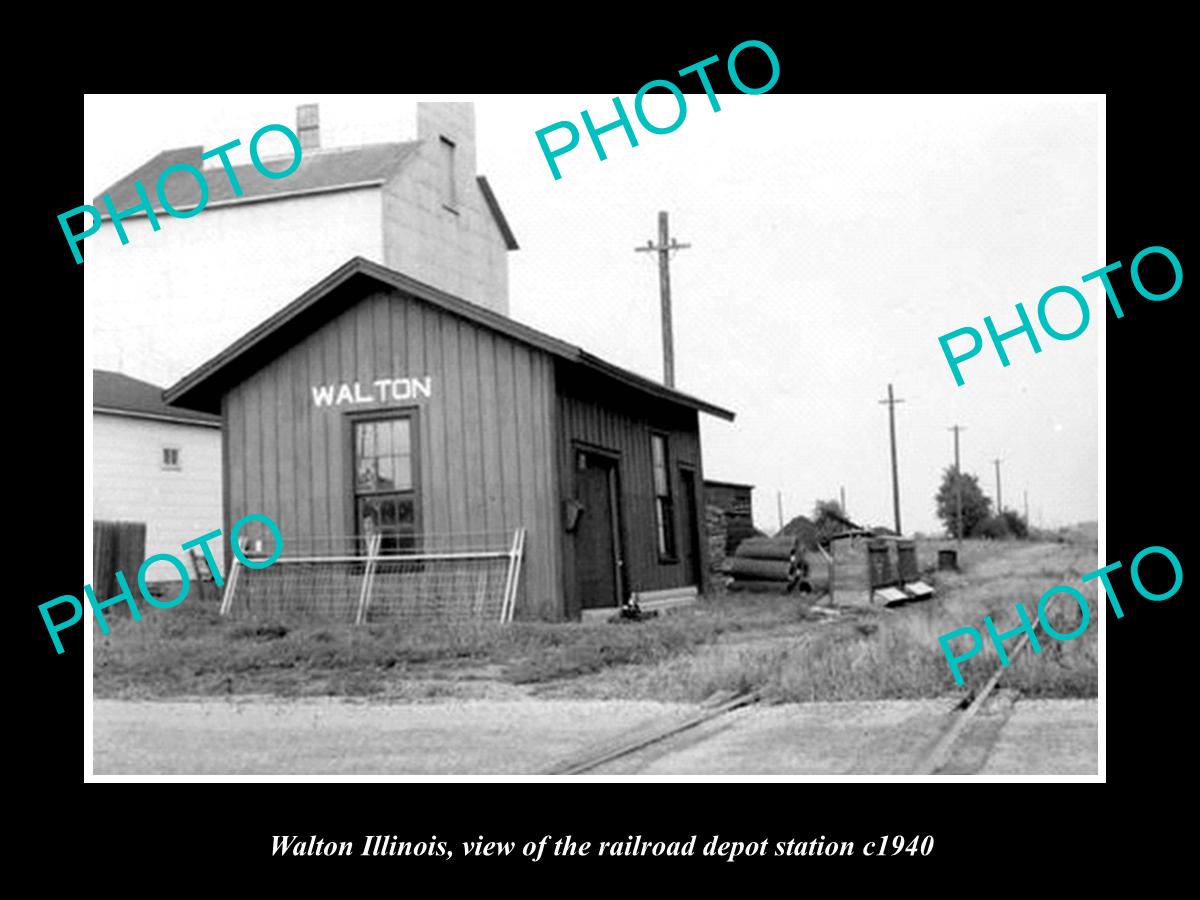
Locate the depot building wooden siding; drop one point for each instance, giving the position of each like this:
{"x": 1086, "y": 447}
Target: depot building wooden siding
{"x": 485, "y": 460}
{"x": 496, "y": 425}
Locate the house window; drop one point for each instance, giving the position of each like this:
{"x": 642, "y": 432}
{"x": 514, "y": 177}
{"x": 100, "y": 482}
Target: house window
{"x": 385, "y": 495}
{"x": 449, "y": 195}
{"x": 664, "y": 513}
{"x": 170, "y": 458}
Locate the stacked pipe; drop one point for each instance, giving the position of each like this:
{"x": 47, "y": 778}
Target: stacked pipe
{"x": 771, "y": 565}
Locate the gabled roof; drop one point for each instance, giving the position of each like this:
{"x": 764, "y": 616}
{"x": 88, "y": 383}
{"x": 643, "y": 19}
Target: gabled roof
{"x": 121, "y": 395}
{"x": 319, "y": 171}
{"x": 202, "y": 388}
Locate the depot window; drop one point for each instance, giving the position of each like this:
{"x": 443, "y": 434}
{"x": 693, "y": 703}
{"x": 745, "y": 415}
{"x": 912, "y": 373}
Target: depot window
{"x": 664, "y": 512}
{"x": 385, "y": 491}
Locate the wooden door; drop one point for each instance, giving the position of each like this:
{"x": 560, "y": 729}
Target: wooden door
{"x": 597, "y": 540}
{"x": 691, "y": 528}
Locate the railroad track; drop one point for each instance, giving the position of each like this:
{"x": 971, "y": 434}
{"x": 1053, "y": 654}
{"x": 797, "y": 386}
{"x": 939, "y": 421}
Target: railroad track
{"x": 629, "y": 743}
{"x": 942, "y": 751}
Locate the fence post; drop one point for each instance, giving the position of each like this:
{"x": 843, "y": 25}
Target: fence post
{"x": 231, "y": 581}
{"x": 364, "y": 594}
{"x": 508, "y": 576}
{"x": 513, "y": 577}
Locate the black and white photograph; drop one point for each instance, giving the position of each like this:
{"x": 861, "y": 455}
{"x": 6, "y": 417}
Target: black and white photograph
{"x": 692, "y": 433}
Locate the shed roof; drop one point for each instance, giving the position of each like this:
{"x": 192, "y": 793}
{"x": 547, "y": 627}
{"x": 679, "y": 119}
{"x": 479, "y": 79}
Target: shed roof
{"x": 119, "y": 394}
{"x": 202, "y": 388}
{"x": 709, "y": 482}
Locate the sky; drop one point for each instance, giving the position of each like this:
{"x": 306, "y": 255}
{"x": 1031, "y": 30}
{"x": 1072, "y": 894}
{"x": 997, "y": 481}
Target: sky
{"x": 833, "y": 240}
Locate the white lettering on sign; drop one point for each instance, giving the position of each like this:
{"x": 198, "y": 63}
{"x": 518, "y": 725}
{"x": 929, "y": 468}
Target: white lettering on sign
{"x": 384, "y": 389}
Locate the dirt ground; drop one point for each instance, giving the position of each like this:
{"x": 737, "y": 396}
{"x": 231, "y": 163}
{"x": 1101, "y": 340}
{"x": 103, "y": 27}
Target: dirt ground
{"x": 526, "y": 737}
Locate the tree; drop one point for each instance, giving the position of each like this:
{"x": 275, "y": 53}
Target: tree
{"x": 1017, "y": 525}
{"x": 1007, "y": 524}
{"x": 994, "y": 527}
{"x": 829, "y": 519}
{"x": 976, "y": 507}
{"x": 804, "y": 530}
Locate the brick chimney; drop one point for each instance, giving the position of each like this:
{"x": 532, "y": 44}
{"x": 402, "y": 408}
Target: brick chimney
{"x": 308, "y": 126}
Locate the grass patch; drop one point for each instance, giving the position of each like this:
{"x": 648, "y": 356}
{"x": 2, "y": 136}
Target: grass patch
{"x": 727, "y": 642}
{"x": 879, "y": 654}
{"x": 192, "y": 650}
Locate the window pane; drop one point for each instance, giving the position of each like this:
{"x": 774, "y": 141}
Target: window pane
{"x": 368, "y": 475}
{"x": 402, "y": 471}
{"x": 404, "y": 510}
{"x": 368, "y": 516}
{"x": 400, "y": 436}
{"x": 387, "y": 473}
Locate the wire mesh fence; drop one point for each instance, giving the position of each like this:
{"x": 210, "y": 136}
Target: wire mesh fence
{"x": 436, "y": 579}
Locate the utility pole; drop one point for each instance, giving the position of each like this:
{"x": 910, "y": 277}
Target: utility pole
{"x": 779, "y": 504}
{"x": 842, "y": 494}
{"x": 957, "y": 483}
{"x": 999, "y": 496}
{"x": 663, "y": 249}
{"x": 891, "y": 402}
{"x": 1026, "y": 508}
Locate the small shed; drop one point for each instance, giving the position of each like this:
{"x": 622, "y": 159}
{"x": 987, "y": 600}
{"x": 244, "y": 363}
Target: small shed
{"x": 735, "y": 502}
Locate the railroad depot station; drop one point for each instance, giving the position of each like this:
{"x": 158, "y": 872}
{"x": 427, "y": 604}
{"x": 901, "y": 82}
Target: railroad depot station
{"x": 350, "y": 326}
{"x": 512, "y": 429}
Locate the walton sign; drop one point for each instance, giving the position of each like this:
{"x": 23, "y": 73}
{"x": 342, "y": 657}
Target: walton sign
{"x": 384, "y": 389}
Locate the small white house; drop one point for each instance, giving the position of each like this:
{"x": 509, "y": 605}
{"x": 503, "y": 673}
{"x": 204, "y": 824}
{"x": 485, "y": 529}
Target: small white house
{"x": 153, "y": 463}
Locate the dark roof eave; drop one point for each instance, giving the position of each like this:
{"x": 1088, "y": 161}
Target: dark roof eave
{"x": 207, "y": 422}
{"x": 510, "y": 240}
{"x": 179, "y": 393}
{"x": 651, "y": 387}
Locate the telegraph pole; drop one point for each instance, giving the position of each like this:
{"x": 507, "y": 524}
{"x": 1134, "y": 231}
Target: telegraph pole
{"x": 842, "y": 494}
{"x": 779, "y": 505}
{"x": 957, "y": 483}
{"x": 1027, "y": 508}
{"x": 891, "y": 402}
{"x": 999, "y": 496}
{"x": 663, "y": 249}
